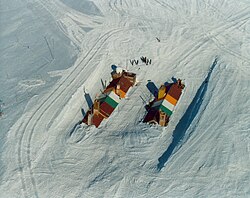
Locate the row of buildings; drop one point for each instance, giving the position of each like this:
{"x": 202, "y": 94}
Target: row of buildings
{"x": 159, "y": 110}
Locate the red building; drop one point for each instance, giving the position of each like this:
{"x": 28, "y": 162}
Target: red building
{"x": 106, "y": 102}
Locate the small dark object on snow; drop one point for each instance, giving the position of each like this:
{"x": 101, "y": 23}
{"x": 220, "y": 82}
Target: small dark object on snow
{"x": 132, "y": 62}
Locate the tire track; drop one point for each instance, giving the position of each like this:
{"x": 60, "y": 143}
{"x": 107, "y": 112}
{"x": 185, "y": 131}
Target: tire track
{"x": 28, "y": 152}
{"x": 57, "y": 19}
{"x": 189, "y": 53}
{"x": 222, "y": 16}
{"x": 112, "y": 5}
{"x": 21, "y": 145}
{"x": 71, "y": 28}
{"x": 120, "y": 11}
{"x": 164, "y": 5}
{"x": 239, "y": 17}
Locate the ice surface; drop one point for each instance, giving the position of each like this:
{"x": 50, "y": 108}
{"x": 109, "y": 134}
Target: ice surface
{"x": 85, "y": 6}
{"x": 55, "y": 58}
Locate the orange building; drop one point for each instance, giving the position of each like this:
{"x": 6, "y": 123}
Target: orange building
{"x": 162, "y": 107}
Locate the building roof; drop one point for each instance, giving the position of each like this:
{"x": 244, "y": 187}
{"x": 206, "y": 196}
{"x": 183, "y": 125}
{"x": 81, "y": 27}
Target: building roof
{"x": 109, "y": 99}
{"x": 166, "y": 104}
{"x": 124, "y": 83}
{"x": 97, "y": 119}
{"x": 113, "y": 83}
{"x": 175, "y": 91}
{"x": 106, "y": 109}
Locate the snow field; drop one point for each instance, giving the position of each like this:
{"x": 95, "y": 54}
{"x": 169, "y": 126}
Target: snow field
{"x": 209, "y": 129}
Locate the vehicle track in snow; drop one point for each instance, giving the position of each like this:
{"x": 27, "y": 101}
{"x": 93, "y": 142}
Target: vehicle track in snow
{"x": 24, "y": 144}
{"x": 114, "y": 7}
{"x": 128, "y": 14}
{"x": 69, "y": 21}
{"x": 196, "y": 48}
{"x": 165, "y": 5}
{"x": 218, "y": 30}
{"x": 222, "y": 16}
{"x": 63, "y": 22}
{"x": 27, "y": 129}
{"x": 234, "y": 23}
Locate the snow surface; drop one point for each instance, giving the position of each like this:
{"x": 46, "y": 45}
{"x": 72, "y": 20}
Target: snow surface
{"x": 52, "y": 51}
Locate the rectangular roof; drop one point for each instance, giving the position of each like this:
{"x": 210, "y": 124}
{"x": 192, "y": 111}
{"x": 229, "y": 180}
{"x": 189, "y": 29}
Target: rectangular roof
{"x": 175, "y": 91}
{"x": 97, "y": 119}
{"x": 106, "y": 109}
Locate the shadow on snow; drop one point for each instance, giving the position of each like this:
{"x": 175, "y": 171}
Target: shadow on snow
{"x": 186, "y": 120}
{"x": 152, "y": 88}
